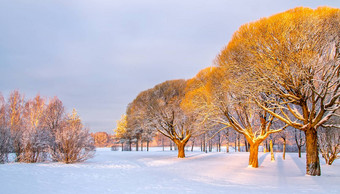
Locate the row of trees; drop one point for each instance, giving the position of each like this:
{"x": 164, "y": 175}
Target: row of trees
{"x": 36, "y": 130}
{"x": 277, "y": 72}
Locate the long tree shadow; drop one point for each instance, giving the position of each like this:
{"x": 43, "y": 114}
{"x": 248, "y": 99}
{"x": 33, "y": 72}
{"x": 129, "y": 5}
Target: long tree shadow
{"x": 261, "y": 159}
{"x": 300, "y": 164}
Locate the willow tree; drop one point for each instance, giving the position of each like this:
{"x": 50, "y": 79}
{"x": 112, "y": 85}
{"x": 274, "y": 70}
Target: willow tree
{"x": 292, "y": 58}
{"x": 160, "y": 109}
{"x": 213, "y": 95}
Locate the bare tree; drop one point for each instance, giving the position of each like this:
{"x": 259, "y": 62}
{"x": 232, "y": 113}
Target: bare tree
{"x": 36, "y": 137}
{"x": 329, "y": 140}
{"x": 73, "y": 142}
{"x": 5, "y": 134}
{"x": 14, "y": 112}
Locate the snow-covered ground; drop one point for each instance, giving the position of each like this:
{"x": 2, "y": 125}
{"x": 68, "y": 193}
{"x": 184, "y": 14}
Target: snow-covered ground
{"x": 162, "y": 172}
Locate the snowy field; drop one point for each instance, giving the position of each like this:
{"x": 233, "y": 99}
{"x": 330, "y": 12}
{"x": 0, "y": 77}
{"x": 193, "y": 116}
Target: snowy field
{"x": 162, "y": 172}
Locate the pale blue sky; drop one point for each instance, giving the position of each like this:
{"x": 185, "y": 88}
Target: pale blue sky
{"x": 96, "y": 56}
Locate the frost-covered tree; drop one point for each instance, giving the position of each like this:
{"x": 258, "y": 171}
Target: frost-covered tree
{"x": 329, "y": 144}
{"x": 329, "y": 140}
{"x": 73, "y": 142}
{"x": 36, "y": 136}
{"x": 5, "y": 134}
{"x": 14, "y": 110}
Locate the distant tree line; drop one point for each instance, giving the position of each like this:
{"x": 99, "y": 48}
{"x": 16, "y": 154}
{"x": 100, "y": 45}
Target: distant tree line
{"x": 38, "y": 129}
{"x": 276, "y": 75}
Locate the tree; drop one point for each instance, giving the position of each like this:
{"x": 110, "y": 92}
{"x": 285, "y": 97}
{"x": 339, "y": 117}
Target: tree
{"x": 101, "y": 139}
{"x": 160, "y": 107}
{"x": 36, "y": 137}
{"x": 5, "y": 134}
{"x": 292, "y": 58}
{"x": 329, "y": 140}
{"x": 14, "y": 112}
{"x": 73, "y": 142}
{"x": 218, "y": 99}
{"x": 121, "y": 132}
{"x": 300, "y": 140}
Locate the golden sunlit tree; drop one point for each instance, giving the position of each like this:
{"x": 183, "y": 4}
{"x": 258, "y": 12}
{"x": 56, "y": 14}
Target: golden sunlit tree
{"x": 213, "y": 96}
{"x": 160, "y": 107}
{"x": 121, "y": 132}
{"x": 292, "y": 60}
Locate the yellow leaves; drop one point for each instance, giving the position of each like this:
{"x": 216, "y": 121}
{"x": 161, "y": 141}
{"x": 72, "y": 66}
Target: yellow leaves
{"x": 121, "y": 126}
{"x": 74, "y": 120}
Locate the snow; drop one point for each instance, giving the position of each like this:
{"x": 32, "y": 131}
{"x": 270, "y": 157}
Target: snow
{"x": 162, "y": 172}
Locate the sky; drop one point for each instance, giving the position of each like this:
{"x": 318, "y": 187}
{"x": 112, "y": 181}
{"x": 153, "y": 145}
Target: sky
{"x": 98, "y": 55}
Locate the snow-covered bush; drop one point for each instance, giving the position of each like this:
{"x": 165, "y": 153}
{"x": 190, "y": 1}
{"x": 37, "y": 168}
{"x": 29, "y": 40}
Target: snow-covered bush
{"x": 5, "y": 146}
{"x": 72, "y": 143}
{"x": 35, "y": 145}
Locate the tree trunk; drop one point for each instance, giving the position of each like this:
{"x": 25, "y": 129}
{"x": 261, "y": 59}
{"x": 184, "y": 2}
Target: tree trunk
{"x": 192, "y": 146}
{"x": 239, "y": 143}
{"x": 147, "y": 146}
{"x": 299, "y": 150}
{"x": 312, "y": 153}
{"x": 246, "y": 144}
{"x": 141, "y": 145}
{"x": 163, "y": 142}
{"x": 284, "y": 149}
{"x": 201, "y": 145}
{"x": 170, "y": 145}
{"x": 137, "y": 145}
{"x": 264, "y": 147}
{"x": 181, "y": 146}
{"x": 272, "y": 158}
{"x": 253, "y": 155}
{"x": 227, "y": 142}
{"x": 122, "y": 146}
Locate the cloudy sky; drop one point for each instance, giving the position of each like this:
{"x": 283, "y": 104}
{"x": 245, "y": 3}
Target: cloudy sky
{"x": 97, "y": 55}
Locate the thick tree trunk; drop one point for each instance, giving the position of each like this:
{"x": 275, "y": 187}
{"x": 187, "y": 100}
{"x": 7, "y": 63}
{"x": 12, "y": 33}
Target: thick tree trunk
{"x": 312, "y": 153}
{"x": 253, "y": 155}
{"x": 122, "y": 146}
{"x": 181, "y": 146}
